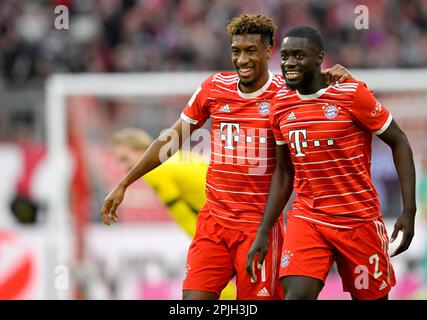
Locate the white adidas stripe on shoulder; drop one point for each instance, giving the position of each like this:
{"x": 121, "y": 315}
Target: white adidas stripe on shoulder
{"x": 346, "y": 84}
{"x": 342, "y": 89}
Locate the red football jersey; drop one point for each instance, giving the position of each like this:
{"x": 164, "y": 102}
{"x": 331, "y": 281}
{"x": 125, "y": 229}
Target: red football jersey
{"x": 242, "y": 147}
{"x": 329, "y": 135}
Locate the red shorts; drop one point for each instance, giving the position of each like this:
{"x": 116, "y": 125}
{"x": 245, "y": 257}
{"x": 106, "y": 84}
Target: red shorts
{"x": 217, "y": 254}
{"x": 361, "y": 255}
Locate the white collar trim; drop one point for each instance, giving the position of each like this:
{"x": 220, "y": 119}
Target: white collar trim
{"x": 312, "y": 95}
{"x": 259, "y": 91}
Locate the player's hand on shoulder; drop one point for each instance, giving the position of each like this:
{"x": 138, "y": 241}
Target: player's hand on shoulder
{"x": 336, "y": 74}
{"x": 259, "y": 248}
{"x": 111, "y": 203}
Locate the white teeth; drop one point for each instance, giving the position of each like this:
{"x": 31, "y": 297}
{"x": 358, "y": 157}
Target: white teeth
{"x": 292, "y": 74}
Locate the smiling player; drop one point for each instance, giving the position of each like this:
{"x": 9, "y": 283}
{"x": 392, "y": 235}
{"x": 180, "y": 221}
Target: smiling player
{"x": 326, "y": 132}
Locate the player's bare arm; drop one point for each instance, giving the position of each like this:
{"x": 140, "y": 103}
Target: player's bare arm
{"x": 404, "y": 163}
{"x": 281, "y": 188}
{"x": 150, "y": 160}
{"x": 336, "y": 74}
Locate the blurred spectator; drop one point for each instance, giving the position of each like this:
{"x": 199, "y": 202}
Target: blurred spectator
{"x": 168, "y": 35}
{"x": 23, "y": 205}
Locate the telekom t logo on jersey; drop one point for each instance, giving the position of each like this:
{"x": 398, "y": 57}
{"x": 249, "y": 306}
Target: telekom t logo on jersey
{"x": 228, "y": 136}
{"x": 298, "y": 139}
{"x": 231, "y": 133}
{"x": 298, "y": 134}
{"x": 242, "y": 146}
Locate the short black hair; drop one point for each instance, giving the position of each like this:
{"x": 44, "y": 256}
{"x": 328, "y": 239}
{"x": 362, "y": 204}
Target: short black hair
{"x": 311, "y": 34}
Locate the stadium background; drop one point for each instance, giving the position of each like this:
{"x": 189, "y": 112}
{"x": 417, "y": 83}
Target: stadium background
{"x": 143, "y": 257}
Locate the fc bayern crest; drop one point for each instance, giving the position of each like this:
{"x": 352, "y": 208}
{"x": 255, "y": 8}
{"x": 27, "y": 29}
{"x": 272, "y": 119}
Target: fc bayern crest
{"x": 264, "y": 108}
{"x": 331, "y": 111}
{"x": 285, "y": 260}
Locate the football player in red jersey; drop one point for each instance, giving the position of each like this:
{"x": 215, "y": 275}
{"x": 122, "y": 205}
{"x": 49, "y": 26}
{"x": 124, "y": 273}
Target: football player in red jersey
{"x": 323, "y": 134}
{"x": 242, "y": 164}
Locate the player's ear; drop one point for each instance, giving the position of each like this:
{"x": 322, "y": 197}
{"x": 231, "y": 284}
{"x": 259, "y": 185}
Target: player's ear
{"x": 269, "y": 52}
{"x": 320, "y": 57}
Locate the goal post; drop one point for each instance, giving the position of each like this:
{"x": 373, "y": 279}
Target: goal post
{"x": 59, "y": 87}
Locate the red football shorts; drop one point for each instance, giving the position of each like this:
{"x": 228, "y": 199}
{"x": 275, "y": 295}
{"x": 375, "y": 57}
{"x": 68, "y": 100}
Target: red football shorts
{"x": 217, "y": 254}
{"x": 361, "y": 255}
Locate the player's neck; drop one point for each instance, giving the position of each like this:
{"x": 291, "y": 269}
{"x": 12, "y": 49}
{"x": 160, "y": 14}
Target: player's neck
{"x": 313, "y": 86}
{"x": 256, "y": 85}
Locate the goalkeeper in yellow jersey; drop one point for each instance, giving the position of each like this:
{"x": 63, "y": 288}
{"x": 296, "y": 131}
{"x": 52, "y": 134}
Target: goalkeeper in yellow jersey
{"x": 183, "y": 196}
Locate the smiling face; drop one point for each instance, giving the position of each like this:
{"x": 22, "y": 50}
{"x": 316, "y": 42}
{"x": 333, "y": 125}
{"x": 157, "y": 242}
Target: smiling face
{"x": 250, "y": 55}
{"x": 300, "y": 62}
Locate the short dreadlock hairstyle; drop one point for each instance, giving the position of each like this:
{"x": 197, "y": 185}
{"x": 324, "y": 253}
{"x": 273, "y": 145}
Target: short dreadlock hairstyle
{"x": 253, "y": 24}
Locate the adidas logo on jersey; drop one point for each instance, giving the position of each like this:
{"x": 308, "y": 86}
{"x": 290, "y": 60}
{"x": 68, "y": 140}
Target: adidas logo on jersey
{"x": 383, "y": 285}
{"x": 225, "y": 108}
{"x": 291, "y": 116}
{"x": 263, "y": 293}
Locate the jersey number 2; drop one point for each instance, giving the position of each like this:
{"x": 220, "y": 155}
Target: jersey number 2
{"x": 375, "y": 259}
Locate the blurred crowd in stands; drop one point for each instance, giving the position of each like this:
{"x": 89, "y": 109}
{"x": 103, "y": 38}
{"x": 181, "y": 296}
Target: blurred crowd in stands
{"x": 168, "y": 35}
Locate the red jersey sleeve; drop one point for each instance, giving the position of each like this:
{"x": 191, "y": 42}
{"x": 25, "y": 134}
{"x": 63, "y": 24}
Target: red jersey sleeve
{"x": 275, "y": 125}
{"x": 197, "y": 110}
{"x": 368, "y": 111}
